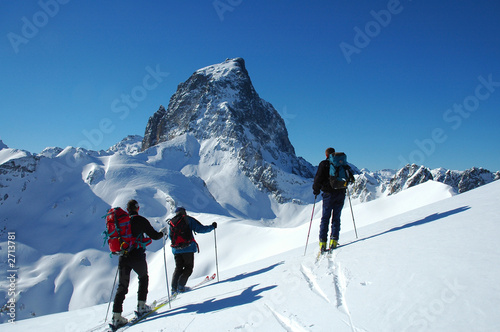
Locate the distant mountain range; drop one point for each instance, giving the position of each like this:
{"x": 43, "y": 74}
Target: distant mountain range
{"x": 371, "y": 185}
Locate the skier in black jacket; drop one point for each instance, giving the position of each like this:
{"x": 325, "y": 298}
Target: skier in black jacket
{"x": 134, "y": 260}
{"x": 333, "y": 202}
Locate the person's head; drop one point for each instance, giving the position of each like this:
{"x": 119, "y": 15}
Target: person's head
{"x": 180, "y": 210}
{"x": 329, "y": 151}
{"x": 133, "y": 206}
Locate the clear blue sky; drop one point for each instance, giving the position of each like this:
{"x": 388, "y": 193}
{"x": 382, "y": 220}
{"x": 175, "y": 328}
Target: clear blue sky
{"x": 387, "y": 82}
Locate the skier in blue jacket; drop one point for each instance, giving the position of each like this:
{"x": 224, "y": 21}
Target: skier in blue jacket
{"x": 184, "y": 246}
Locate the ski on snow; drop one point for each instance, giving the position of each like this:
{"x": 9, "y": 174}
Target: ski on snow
{"x": 139, "y": 317}
{"x": 328, "y": 252}
{"x": 204, "y": 281}
{"x": 322, "y": 254}
{"x": 155, "y": 307}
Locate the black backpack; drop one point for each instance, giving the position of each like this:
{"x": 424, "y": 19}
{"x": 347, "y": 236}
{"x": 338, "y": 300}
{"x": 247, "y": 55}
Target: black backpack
{"x": 181, "y": 235}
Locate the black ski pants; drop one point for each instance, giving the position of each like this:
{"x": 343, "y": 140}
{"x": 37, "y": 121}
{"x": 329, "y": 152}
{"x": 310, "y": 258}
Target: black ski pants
{"x": 184, "y": 264}
{"x": 135, "y": 260}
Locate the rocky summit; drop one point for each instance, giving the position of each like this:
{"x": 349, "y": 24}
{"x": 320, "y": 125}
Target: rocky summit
{"x": 219, "y": 102}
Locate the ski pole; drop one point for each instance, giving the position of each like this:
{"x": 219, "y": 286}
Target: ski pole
{"x": 310, "y": 223}
{"x": 216, "y": 261}
{"x": 111, "y": 295}
{"x": 352, "y": 213}
{"x": 166, "y": 273}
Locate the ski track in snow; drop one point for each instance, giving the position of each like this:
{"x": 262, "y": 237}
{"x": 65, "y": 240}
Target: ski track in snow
{"x": 288, "y": 324}
{"x": 340, "y": 282}
{"x": 313, "y": 284}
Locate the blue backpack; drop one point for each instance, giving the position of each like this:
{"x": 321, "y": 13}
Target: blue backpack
{"x": 340, "y": 172}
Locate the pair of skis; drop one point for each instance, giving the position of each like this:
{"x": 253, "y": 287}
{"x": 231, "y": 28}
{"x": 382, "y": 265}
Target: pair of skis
{"x": 155, "y": 307}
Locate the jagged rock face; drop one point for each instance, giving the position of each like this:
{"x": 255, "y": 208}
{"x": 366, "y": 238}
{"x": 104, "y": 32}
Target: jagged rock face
{"x": 220, "y": 102}
{"x": 155, "y": 129}
{"x": 370, "y": 185}
{"x": 449, "y": 177}
{"x": 473, "y": 178}
{"x": 409, "y": 176}
{"x": 20, "y": 167}
{"x": 360, "y": 188}
{"x": 460, "y": 181}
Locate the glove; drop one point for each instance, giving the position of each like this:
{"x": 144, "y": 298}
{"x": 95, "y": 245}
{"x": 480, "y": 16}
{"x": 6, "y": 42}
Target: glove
{"x": 214, "y": 225}
{"x": 164, "y": 230}
{"x": 316, "y": 193}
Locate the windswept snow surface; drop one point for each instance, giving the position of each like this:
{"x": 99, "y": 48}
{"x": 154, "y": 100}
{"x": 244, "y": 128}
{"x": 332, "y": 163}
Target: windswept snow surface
{"x": 431, "y": 268}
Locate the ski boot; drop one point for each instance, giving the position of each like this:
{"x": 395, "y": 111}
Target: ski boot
{"x": 118, "y": 321}
{"x": 322, "y": 247}
{"x": 333, "y": 244}
{"x": 183, "y": 289}
{"x": 142, "y": 308}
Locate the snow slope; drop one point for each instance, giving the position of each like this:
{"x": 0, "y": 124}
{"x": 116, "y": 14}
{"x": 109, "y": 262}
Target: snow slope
{"x": 432, "y": 268}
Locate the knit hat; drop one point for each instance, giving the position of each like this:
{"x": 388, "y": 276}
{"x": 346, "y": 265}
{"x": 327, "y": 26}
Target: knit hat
{"x": 180, "y": 210}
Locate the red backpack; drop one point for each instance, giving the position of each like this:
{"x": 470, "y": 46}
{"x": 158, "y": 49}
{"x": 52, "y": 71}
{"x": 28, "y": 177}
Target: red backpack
{"x": 181, "y": 235}
{"x": 119, "y": 233}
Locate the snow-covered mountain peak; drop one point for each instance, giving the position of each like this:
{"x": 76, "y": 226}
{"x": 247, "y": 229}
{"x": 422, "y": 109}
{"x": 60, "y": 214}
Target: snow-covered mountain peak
{"x": 225, "y": 69}
{"x": 50, "y": 152}
{"x": 131, "y": 144}
{"x": 10, "y": 155}
{"x": 220, "y": 108}
{"x": 218, "y": 101}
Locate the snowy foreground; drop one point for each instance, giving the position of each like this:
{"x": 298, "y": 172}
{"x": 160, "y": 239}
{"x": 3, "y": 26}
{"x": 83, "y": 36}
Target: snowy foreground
{"x": 430, "y": 268}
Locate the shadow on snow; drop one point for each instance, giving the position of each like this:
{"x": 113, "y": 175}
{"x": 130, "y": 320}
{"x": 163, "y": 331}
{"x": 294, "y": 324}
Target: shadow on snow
{"x": 251, "y": 274}
{"x": 247, "y": 296}
{"x": 428, "y": 219}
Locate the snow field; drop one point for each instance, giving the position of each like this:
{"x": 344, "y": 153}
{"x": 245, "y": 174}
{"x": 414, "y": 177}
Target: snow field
{"x": 429, "y": 269}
